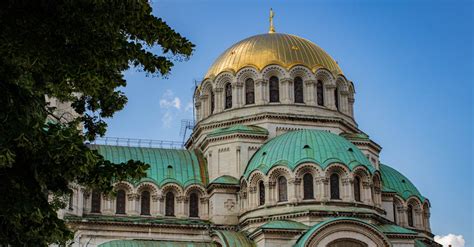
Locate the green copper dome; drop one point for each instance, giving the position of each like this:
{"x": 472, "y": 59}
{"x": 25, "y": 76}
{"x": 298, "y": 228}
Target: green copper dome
{"x": 396, "y": 182}
{"x": 296, "y": 147}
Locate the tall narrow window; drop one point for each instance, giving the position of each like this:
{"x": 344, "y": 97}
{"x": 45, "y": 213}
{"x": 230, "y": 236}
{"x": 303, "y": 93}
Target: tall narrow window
{"x": 336, "y": 98}
{"x": 298, "y": 89}
{"x": 334, "y": 183}
{"x": 193, "y": 205}
{"x": 95, "y": 202}
{"x": 261, "y": 193}
{"x": 71, "y": 201}
{"x": 228, "y": 96}
{"x": 308, "y": 191}
{"x": 282, "y": 189}
{"x": 320, "y": 93}
{"x": 212, "y": 102}
{"x": 169, "y": 204}
{"x": 410, "y": 215}
{"x": 274, "y": 89}
{"x": 357, "y": 189}
{"x": 145, "y": 203}
{"x": 249, "y": 91}
{"x": 120, "y": 202}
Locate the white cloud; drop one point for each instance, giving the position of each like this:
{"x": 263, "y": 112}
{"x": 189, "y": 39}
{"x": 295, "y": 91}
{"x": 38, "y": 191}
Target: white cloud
{"x": 450, "y": 239}
{"x": 189, "y": 107}
{"x": 168, "y": 100}
{"x": 167, "y": 119}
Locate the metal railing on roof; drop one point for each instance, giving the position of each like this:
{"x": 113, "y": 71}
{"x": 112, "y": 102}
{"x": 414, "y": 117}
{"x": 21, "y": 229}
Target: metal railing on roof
{"x": 135, "y": 142}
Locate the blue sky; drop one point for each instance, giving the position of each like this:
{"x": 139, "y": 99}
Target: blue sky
{"x": 411, "y": 63}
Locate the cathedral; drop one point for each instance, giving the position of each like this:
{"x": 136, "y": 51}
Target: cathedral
{"x": 275, "y": 158}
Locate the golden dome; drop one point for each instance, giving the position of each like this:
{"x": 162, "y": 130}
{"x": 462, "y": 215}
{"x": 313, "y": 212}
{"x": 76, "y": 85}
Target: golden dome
{"x": 261, "y": 50}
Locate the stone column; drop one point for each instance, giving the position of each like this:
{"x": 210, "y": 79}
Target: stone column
{"x": 402, "y": 216}
{"x": 237, "y": 94}
{"x": 87, "y": 201}
{"x": 367, "y": 199}
{"x": 427, "y": 221}
{"x": 161, "y": 205}
{"x": 329, "y": 96}
{"x": 351, "y": 106}
{"x": 418, "y": 220}
{"x": 348, "y": 187}
{"x": 344, "y": 104}
{"x": 323, "y": 188}
{"x": 269, "y": 193}
{"x": 132, "y": 204}
{"x": 310, "y": 92}
{"x": 205, "y": 107}
{"x": 286, "y": 91}
{"x": 180, "y": 204}
{"x": 219, "y": 100}
{"x": 292, "y": 189}
{"x": 259, "y": 92}
{"x": 204, "y": 208}
{"x": 155, "y": 205}
{"x": 197, "y": 111}
{"x": 253, "y": 197}
{"x": 108, "y": 205}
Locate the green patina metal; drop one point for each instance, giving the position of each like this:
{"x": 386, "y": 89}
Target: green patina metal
{"x": 239, "y": 128}
{"x": 135, "y": 220}
{"x": 226, "y": 179}
{"x": 180, "y": 166}
{"x": 234, "y": 239}
{"x": 355, "y": 136}
{"x": 154, "y": 243}
{"x": 284, "y": 224}
{"x": 394, "y": 181}
{"x": 419, "y": 243}
{"x": 302, "y": 241}
{"x": 296, "y": 147}
{"x": 394, "y": 229}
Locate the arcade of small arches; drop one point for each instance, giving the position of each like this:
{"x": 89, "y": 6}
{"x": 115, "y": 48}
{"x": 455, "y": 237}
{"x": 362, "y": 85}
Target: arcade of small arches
{"x": 274, "y": 85}
{"x": 308, "y": 183}
{"x": 147, "y": 199}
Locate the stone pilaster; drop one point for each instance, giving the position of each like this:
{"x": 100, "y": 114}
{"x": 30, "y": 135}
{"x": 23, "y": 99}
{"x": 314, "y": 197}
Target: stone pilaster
{"x": 310, "y": 92}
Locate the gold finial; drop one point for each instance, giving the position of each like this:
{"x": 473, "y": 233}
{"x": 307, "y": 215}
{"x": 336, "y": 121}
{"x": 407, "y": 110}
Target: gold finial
{"x": 272, "y": 28}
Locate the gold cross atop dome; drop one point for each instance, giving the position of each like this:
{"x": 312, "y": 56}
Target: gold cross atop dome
{"x": 272, "y": 28}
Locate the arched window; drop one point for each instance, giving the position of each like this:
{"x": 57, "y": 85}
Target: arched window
{"x": 308, "y": 192}
{"x": 95, "y": 201}
{"x": 228, "y": 96}
{"x": 249, "y": 91}
{"x": 120, "y": 205}
{"x": 282, "y": 189}
{"x": 274, "y": 89}
{"x": 145, "y": 203}
{"x": 334, "y": 183}
{"x": 169, "y": 204}
{"x": 410, "y": 215}
{"x": 357, "y": 189}
{"x": 261, "y": 193}
{"x": 336, "y": 98}
{"x": 298, "y": 89}
{"x": 193, "y": 205}
{"x": 320, "y": 93}
{"x": 346, "y": 243}
{"x": 212, "y": 102}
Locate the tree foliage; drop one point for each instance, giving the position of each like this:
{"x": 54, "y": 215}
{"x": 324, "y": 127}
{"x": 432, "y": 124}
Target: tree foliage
{"x": 73, "y": 51}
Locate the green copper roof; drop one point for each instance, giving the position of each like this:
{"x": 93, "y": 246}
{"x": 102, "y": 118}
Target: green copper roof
{"x": 153, "y": 243}
{"x": 226, "y": 179}
{"x": 234, "y": 239}
{"x": 355, "y": 136}
{"x": 239, "y": 128}
{"x": 302, "y": 241}
{"x": 394, "y": 229}
{"x": 296, "y": 147}
{"x": 183, "y": 167}
{"x": 284, "y": 224}
{"x": 394, "y": 181}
